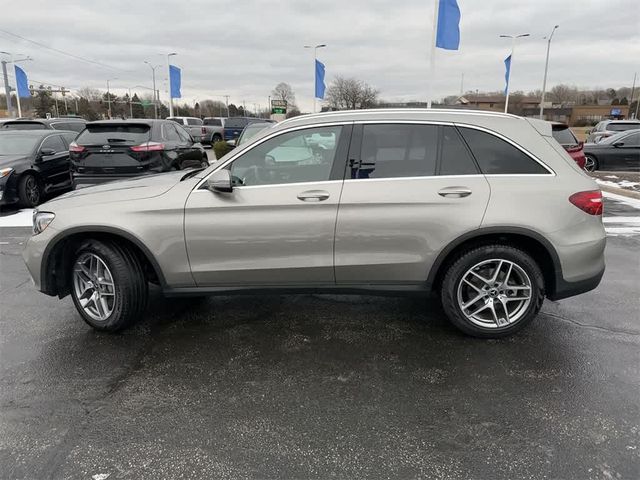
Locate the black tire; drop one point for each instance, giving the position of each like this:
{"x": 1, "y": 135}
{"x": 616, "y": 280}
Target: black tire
{"x": 216, "y": 138}
{"x": 591, "y": 164}
{"x": 29, "y": 191}
{"x": 467, "y": 260}
{"x": 205, "y": 162}
{"x": 130, "y": 285}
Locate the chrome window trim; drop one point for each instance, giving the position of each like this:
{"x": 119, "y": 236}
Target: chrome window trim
{"x": 426, "y": 177}
{"x": 251, "y": 146}
{"x": 245, "y": 187}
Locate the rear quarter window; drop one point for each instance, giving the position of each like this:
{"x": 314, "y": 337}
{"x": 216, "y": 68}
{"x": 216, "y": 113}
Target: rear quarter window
{"x": 214, "y": 122}
{"x": 498, "y": 157}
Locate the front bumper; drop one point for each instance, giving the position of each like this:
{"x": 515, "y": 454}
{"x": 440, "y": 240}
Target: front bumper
{"x": 8, "y": 189}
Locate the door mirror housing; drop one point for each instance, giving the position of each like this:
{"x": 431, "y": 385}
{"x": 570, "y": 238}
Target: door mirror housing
{"x": 46, "y": 152}
{"x": 220, "y": 181}
{"x": 618, "y": 144}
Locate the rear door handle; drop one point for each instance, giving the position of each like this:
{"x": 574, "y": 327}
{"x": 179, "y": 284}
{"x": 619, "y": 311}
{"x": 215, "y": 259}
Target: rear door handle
{"x": 454, "y": 192}
{"x": 313, "y": 195}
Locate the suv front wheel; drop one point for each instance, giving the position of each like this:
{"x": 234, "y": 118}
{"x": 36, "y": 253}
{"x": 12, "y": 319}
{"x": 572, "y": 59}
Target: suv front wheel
{"x": 108, "y": 285}
{"x": 492, "y": 291}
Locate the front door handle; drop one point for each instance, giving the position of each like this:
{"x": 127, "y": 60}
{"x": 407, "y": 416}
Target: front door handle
{"x": 454, "y": 192}
{"x": 313, "y": 196}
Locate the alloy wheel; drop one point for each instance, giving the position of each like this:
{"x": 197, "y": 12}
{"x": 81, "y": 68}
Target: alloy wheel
{"x": 94, "y": 286}
{"x": 494, "y": 293}
{"x": 589, "y": 164}
{"x": 32, "y": 190}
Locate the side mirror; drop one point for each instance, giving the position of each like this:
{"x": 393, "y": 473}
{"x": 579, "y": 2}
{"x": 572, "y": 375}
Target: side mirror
{"x": 231, "y": 143}
{"x": 45, "y": 152}
{"x": 220, "y": 181}
{"x": 618, "y": 144}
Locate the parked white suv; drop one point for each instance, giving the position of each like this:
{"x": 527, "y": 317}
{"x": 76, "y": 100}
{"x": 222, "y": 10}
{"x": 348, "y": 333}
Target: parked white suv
{"x": 486, "y": 209}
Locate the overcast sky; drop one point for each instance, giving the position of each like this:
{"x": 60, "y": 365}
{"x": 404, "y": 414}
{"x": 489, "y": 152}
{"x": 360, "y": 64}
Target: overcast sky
{"x": 244, "y": 48}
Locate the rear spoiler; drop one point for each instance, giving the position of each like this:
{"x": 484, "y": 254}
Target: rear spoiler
{"x": 543, "y": 127}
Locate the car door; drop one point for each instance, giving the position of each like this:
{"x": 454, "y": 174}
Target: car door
{"x": 627, "y": 152}
{"x": 53, "y": 163}
{"x": 277, "y": 225}
{"x": 410, "y": 190}
{"x": 189, "y": 150}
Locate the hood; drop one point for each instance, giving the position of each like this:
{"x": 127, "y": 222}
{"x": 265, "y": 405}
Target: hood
{"x": 123, "y": 190}
{"x": 12, "y": 161}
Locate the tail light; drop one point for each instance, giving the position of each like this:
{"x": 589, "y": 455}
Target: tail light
{"x": 576, "y": 148}
{"x": 589, "y": 201}
{"x": 75, "y": 148}
{"x": 148, "y": 147}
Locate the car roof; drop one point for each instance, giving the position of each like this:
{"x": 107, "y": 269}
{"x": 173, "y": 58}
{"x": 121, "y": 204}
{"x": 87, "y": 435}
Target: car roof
{"x": 630, "y": 121}
{"x": 144, "y": 121}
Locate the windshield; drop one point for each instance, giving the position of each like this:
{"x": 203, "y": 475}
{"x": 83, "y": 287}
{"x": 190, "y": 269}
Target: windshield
{"x": 122, "y": 134}
{"x": 24, "y": 126}
{"x": 17, "y": 144}
{"x": 621, "y": 127}
{"x": 251, "y": 130}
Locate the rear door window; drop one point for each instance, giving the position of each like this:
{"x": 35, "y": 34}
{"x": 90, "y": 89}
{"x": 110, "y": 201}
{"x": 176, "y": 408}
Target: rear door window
{"x": 214, "y": 122}
{"x": 632, "y": 140}
{"x": 118, "y": 134}
{"x": 194, "y": 121}
{"x": 397, "y": 150}
{"x": 170, "y": 133}
{"x": 498, "y": 157}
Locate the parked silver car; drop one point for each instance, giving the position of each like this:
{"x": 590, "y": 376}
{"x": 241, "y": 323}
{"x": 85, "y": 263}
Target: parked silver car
{"x": 607, "y": 128}
{"x": 485, "y": 208}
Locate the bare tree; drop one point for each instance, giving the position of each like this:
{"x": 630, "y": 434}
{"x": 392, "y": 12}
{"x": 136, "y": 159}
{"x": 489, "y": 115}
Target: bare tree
{"x": 213, "y": 108}
{"x": 283, "y": 91}
{"x": 563, "y": 94}
{"x": 351, "y": 93}
{"x": 91, "y": 94}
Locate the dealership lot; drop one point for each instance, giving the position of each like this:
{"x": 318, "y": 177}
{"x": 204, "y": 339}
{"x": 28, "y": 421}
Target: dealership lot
{"x": 315, "y": 386}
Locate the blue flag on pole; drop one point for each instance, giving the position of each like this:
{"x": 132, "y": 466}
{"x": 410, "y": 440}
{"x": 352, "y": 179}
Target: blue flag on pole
{"x": 21, "y": 83}
{"x": 507, "y": 73}
{"x": 175, "y": 81}
{"x": 448, "y": 31}
{"x": 320, "y": 86}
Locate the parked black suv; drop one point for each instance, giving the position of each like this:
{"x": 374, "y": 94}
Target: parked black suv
{"x": 75, "y": 124}
{"x": 117, "y": 149}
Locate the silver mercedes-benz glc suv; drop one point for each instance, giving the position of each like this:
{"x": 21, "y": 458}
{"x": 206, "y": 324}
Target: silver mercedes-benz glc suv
{"x": 486, "y": 209}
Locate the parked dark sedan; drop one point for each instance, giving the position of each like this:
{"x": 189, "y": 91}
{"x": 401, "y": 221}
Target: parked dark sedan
{"x": 75, "y": 124}
{"x": 118, "y": 149}
{"x": 619, "y": 152}
{"x": 234, "y": 126}
{"x": 33, "y": 163}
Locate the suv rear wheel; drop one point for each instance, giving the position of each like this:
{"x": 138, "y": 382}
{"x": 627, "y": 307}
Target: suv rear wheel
{"x": 108, "y": 285}
{"x": 492, "y": 291}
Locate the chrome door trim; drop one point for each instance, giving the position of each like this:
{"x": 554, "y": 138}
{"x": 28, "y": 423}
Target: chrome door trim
{"x": 279, "y": 185}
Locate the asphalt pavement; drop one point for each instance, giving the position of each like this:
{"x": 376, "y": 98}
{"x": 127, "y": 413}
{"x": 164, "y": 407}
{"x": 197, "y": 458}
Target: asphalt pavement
{"x": 321, "y": 386}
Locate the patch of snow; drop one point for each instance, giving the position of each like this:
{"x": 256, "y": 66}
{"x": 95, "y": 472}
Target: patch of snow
{"x": 101, "y": 476}
{"x": 628, "y": 184}
{"x": 21, "y": 218}
{"x": 611, "y": 176}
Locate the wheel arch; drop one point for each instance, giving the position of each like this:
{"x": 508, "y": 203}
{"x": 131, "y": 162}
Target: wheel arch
{"x": 531, "y": 242}
{"x": 59, "y": 253}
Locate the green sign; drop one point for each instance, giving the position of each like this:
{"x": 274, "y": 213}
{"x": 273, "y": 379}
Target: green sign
{"x": 280, "y": 110}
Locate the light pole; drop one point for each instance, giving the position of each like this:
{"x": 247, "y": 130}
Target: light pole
{"x": 546, "y": 69}
{"x": 513, "y": 49}
{"x": 109, "y": 97}
{"x": 169, "y": 55}
{"x": 315, "y": 59}
{"x": 13, "y": 64}
{"x": 7, "y": 87}
{"x": 153, "y": 76}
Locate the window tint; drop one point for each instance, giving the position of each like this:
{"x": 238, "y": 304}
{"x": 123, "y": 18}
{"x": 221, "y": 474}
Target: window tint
{"x": 632, "y": 140}
{"x": 563, "y": 135}
{"x": 215, "y": 122}
{"x": 287, "y": 158}
{"x": 25, "y": 126}
{"x": 184, "y": 135}
{"x": 194, "y": 121}
{"x": 117, "y": 133}
{"x": 396, "y": 150}
{"x": 69, "y": 137}
{"x": 54, "y": 142}
{"x": 170, "y": 133}
{"x": 495, "y": 156}
{"x": 621, "y": 127}
{"x": 236, "y": 122}
{"x": 455, "y": 158}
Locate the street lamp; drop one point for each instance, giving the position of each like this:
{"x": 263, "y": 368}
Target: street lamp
{"x": 546, "y": 69}
{"x": 315, "y": 58}
{"x": 169, "y": 55}
{"x": 7, "y": 87}
{"x": 153, "y": 76}
{"x": 109, "y": 97}
{"x": 513, "y": 48}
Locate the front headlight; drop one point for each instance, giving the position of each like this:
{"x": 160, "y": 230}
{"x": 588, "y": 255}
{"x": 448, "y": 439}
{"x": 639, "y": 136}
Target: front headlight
{"x": 5, "y": 172}
{"x": 41, "y": 220}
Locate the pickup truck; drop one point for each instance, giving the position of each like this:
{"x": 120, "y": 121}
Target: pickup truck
{"x": 205, "y": 134}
